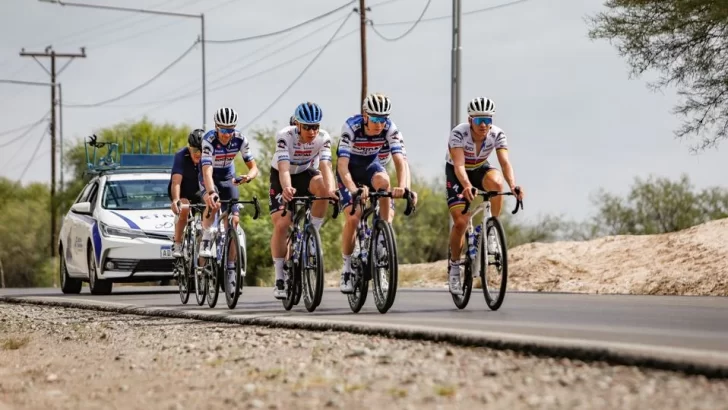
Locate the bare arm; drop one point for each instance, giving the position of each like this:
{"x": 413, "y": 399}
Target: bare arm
{"x": 505, "y": 164}
{"x": 176, "y": 182}
{"x": 328, "y": 174}
{"x": 342, "y": 166}
{"x": 252, "y": 169}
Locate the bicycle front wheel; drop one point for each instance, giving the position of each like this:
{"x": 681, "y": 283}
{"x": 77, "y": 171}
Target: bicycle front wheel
{"x": 213, "y": 273}
{"x": 466, "y": 278}
{"x": 312, "y": 269}
{"x": 494, "y": 263}
{"x": 183, "y": 279}
{"x": 383, "y": 265}
{"x": 233, "y": 280}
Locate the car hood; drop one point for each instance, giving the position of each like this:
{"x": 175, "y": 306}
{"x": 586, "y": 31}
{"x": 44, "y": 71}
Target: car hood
{"x": 155, "y": 220}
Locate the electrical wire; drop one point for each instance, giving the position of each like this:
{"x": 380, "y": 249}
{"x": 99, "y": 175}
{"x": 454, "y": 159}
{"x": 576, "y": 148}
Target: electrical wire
{"x": 499, "y": 6}
{"x": 275, "y": 33}
{"x": 295, "y": 80}
{"x": 139, "y": 87}
{"x": 27, "y": 131}
{"x": 35, "y": 152}
{"x": 383, "y": 37}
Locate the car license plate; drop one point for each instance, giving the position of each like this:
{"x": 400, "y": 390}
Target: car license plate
{"x": 166, "y": 251}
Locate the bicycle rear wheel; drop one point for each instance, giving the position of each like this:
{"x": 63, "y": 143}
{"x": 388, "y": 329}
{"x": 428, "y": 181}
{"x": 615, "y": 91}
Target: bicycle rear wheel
{"x": 461, "y": 301}
{"x": 361, "y": 282}
{"x": 293, "y": 280}
{"x": 312, "y": 269}
{"x": 183, "y": 280}
{"x": 383, "y": 265}
{"x": 233, "y": 286}
{"x": 213, "y": 272}
{"x": 494, "y": 279}
{"x": 201, "y": 283}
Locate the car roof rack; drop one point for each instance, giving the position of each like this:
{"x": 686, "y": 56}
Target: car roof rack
{"x": 115, "y": 162}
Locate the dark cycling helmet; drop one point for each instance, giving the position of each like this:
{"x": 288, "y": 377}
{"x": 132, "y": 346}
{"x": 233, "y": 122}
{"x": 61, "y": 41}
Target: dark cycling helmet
{"x": 195, "y": 138}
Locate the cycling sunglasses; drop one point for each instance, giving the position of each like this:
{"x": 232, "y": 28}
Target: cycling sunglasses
{"x": 310, "y": 127}
{"x": 194, "y": 150}
{"x": 227, "y": 130}
{"x": 377, "y": 120}
{"x": 482, "y": 120}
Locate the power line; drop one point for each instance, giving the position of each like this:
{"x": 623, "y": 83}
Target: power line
{"x": 383, "y": 37}
{"x": 499, "y": 6}
{"x": 295, "y": 80}
{"x": 27, "y": 131}
{"x": 35, "y": 152}
{"x": 311, "y": 20}
{"x": 164, "y": 70}
{"x": 31, "y": 124}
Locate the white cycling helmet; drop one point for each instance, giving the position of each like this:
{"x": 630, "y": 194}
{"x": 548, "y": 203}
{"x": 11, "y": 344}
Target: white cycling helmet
{"x": 226, "y": 117}
{"x": 377, "y": 104}
{"x": 481, "y": 107}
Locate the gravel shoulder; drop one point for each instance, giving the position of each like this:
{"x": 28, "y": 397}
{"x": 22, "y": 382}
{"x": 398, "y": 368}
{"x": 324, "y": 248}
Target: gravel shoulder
{"x": 76, "y": 359}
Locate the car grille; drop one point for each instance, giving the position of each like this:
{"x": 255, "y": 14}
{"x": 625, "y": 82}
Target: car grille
{"x": 143, "y": 265}
{"x": 160, "y": 235}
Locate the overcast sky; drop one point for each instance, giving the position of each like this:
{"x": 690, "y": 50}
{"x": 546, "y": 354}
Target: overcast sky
{"x": 575, "y": 120}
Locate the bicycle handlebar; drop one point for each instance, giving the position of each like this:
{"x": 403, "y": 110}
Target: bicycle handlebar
{"x": 489, "y": 194}
{"x": 310, "y": 198}
{"x": 253, "y": 201}
{"x": 384, "y": 194}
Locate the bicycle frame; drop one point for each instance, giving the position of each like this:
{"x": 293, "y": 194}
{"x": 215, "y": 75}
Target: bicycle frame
{"x": 302, "y": 210}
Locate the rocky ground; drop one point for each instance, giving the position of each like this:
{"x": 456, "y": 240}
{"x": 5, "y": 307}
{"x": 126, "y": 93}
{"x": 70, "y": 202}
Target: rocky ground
{"x": 54, "y": 358}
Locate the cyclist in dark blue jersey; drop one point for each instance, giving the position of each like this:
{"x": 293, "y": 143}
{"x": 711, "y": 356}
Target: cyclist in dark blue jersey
{"x": 183, "y": 184}
{"x": 217, "y": 169}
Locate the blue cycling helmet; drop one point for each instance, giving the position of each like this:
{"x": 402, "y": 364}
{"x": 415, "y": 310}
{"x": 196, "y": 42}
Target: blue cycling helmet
{"x": 308, "y": 113}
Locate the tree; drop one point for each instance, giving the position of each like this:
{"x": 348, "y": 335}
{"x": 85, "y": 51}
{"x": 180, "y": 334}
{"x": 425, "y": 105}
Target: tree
{"x": 684, "y": 40}
{"x": 658, "y": 205}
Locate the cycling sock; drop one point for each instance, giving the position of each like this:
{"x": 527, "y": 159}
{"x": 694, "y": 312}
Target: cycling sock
{"x": 278, "y": 263}
{"x": 347, "y": 263}
{"x": 317, "y": 222}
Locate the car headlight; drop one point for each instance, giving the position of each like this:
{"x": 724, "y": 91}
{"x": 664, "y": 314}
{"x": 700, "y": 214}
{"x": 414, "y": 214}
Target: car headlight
{"x": 107, "y": 231}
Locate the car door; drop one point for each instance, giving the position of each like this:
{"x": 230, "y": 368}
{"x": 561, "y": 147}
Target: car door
{"x": 68, "y": 234}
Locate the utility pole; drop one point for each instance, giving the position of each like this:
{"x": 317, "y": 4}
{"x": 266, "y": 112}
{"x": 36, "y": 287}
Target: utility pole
{"x": 50, "y": 53}
{"x": 363, "y": 46}
{"x": 455, "y": 61}
{"x": 60, "y": 129}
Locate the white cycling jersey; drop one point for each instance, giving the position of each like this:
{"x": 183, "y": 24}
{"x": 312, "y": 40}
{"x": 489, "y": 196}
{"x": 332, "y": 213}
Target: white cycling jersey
{"x": 460, "y": 137}
{"x": 363, "y": 149}
{"x": 301, "y": 156}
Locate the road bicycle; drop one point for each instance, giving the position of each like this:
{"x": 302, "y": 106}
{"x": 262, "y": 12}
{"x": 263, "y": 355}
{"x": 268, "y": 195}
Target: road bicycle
{"x": 304, "y": 265}
{"x": 480, "y": 256}
{"x": 375, "y": 259}
{"x": 186, "y": 265}
{"x": 227, "y": 245}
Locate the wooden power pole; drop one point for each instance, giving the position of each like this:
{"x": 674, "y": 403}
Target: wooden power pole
{"x": 50, "y": 53}
{"x": 363, "y": 46}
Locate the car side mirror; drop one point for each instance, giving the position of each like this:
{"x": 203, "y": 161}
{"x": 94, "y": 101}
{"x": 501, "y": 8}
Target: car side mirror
{"x": 83, "y": 208}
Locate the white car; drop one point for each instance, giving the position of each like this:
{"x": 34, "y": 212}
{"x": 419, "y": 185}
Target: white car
{"x": 120, "y": 229}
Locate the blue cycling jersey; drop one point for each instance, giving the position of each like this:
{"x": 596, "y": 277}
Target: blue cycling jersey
{"x": 221, "y": 156}
{"x": 363, "y": 149}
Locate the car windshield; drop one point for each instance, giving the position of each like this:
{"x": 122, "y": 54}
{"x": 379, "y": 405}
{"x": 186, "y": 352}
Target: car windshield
{"x": 136, "y": 194}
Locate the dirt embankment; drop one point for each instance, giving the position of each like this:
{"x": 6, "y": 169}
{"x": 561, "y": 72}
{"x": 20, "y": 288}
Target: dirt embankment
{"x": 690, "y": 262}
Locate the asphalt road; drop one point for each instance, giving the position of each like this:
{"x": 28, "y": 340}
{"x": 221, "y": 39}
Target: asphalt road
{"x": 693, "y": 329}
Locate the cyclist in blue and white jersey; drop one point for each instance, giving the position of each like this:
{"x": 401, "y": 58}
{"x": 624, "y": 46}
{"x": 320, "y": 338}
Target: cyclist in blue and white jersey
{"x": 300, "y": 148}
{"x": 358, "y": 168}
{"x": 217, "y": 169}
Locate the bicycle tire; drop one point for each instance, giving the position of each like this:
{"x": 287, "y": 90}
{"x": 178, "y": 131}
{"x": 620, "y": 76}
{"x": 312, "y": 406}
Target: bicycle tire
{"x": 183, "y": 281}
{"x": 384, "y": 300}
{"x": 312, "y": 296}
{"x": 494, "y": 303}
{"x": 232, "y": 242}
{"x": 200, "y": 277}
{"x": 361, "y": 284}
{"x": 290, "y": 299}
{"x": 213, "y": 281}
{"x": 461, "y": 301}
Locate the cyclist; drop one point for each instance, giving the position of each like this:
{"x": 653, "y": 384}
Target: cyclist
{"x": 183, "y": 186}
{"x": 293, "y": 172}
{"x": 217, "y": 170}
{"x": 385, "y": 157}
{"x": 469, "y": 146}
{"x": 362, "y": 138}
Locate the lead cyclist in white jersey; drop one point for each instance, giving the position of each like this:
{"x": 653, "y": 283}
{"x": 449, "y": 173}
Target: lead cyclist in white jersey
{"x": 300, "y": 150}
{"x": 469, "y": 146}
